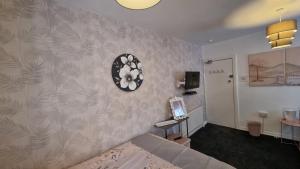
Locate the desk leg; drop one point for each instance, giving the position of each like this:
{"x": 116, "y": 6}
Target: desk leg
{"x": 281, "y": 133}
{"x": 166, "y": 133}
{"x": 187, "y": 128}
{"x": 293, "y": 142}
{"x": 179, "y": 130}
{"x": 293, "y": 136}
{"x": 292, "y": 133}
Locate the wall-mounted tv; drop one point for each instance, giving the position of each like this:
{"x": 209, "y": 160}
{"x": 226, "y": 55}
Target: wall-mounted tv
{"x": 192, "y": 80}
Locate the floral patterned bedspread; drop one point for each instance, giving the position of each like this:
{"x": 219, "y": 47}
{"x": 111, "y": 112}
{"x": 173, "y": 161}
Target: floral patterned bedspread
{"x": 126, "y": 156}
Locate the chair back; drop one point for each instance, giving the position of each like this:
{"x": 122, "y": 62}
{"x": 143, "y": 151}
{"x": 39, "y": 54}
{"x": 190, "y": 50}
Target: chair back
{"x": 290, "y": 114}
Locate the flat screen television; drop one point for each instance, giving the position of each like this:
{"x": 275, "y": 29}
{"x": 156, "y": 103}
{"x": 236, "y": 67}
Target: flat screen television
{"x": 192, "y": 80}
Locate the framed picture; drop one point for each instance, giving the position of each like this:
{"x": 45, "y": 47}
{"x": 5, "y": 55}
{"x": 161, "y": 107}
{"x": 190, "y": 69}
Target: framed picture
{"x": 267, "y": 69}
{"x": 178, "y": 108}
{"x": 276, "y": 68}
{"x": 292, "y": 67}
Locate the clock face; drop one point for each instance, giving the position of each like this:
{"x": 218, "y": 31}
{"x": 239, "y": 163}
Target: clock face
{"x": 127, "y": 72}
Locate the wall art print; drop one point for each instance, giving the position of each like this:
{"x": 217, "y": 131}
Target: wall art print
{"x": 292, "y": 66}
{"x": 276, "y": 68}
{"x": 267, "y": 69}
{"x": 127, "y": 72}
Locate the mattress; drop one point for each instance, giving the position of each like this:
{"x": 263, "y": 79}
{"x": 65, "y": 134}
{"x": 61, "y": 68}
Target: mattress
{"x": 152, "y": 152}
{"x": 179, "y": 155}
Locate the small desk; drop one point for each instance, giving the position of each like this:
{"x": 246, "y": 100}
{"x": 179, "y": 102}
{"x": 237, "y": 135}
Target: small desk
{"x": 292, "y": 124}
{"x": 165, "y": 128}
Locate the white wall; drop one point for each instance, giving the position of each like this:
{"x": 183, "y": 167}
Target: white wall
{"x": 252, "y": 99}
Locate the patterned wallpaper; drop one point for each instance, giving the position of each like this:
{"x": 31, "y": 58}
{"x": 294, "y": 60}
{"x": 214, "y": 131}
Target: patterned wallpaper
{"x": 58, "y": 102}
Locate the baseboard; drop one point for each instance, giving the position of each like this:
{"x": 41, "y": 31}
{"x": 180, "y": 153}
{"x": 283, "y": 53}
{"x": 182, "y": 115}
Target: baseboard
{"x": 204, "y": 123}
{"x": 269, "y": 133}
{"x": 243, "y": 128}
{"x": 195, "y": 130}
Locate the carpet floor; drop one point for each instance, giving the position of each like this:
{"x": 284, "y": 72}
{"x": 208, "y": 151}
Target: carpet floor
{"x": 243, "y": 151}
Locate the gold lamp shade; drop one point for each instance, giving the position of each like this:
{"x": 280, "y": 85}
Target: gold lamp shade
{"x": 138, "y": 4}
{"x": 282, "y": 33}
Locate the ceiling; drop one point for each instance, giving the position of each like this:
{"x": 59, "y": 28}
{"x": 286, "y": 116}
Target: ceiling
{"x": 197, "y": 21}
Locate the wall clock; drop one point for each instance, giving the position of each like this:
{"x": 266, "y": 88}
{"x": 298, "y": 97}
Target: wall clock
{"x": 127, "y": 72}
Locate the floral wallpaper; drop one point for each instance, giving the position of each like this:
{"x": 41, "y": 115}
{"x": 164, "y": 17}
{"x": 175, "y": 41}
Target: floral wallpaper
{"x": 58, "y": 102}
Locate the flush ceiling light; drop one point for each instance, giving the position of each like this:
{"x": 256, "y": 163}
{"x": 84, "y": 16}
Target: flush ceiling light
{"x": 138, "y": 4}
{"x": 282, "y": 33}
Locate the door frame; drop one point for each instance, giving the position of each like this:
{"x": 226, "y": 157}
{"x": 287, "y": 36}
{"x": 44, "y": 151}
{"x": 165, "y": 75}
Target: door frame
{"x": 235, "y": 89}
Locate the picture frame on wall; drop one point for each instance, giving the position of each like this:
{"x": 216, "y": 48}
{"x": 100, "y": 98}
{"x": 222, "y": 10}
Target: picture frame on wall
{"x": 275, "y": 68}
{"x": 292, "y": 67}
{"x": 267, "y": 69}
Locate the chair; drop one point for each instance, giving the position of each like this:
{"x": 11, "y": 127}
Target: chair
{"x": 290, "y": 117}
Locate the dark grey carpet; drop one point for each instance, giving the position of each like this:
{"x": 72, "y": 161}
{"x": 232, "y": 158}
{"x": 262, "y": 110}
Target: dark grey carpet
{"x": 242, "y": 151}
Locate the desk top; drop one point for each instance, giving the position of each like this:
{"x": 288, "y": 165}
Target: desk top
{"x": 295, "y": 123}
{"x": 171, "y": 125}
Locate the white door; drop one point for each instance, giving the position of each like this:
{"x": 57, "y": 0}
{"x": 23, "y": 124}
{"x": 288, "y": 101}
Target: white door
{"x": 219, "y": 88}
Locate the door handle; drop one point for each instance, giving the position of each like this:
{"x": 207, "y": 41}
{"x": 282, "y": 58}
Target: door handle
{"x": 230, "y": 76}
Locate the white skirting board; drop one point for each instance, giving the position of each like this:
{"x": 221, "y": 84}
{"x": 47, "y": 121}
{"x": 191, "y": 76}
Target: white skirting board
{"x": 274, "y": 134}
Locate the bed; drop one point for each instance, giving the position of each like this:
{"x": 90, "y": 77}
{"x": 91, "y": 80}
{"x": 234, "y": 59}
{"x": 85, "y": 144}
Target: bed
{"x": 152, "y": 152}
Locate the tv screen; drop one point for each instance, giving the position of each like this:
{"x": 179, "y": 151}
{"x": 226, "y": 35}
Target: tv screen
{"x": 192, "y": 80}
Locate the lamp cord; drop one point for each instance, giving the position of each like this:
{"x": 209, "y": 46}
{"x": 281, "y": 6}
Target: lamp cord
{"x": 280, "y": 11}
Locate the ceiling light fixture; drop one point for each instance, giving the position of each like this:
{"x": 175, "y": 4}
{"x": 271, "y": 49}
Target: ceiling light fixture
{"x": 138, "y": 4}
{"x": 282, "y": 33}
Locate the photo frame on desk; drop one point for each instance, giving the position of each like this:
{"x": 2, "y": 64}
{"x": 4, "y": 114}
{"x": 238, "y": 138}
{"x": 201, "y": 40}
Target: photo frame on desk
{"x": 178, "y": 108}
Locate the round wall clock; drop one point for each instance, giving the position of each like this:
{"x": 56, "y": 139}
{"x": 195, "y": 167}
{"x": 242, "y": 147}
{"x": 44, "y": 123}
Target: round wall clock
{"x": 127, "y": 72}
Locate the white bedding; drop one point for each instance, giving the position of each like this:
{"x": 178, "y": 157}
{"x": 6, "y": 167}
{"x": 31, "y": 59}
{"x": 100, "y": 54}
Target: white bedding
{"x": 126, "y": 156}
{"x": 152, "y": 152}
